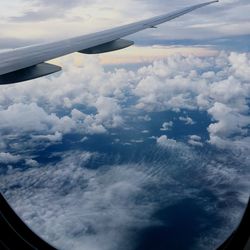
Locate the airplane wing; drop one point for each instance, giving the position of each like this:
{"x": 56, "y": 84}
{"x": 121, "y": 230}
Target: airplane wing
{"x": 29, "y": 62}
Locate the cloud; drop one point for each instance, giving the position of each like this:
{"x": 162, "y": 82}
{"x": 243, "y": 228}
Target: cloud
{"x": 99, "y": 206}
{"x": 175, "y": 88}
{"x": 57, "y": 137}
{"x": 108, "y": 112}
{"x": 240, "y": 65}
{"x": 187, "y": 120}
{"x": 167, "y": 126}
{"x": 30, "y": 117}
{"x": 40, "y": 10}
{"x": 107, "y": 116}
{"x": 146, "y": 118}
{"x": 231, "y": 129}
{"x": 195, "y": 140}
{"x": 137, "y": 141}
{"x": 229, "y": 121}
{"x": 31, "y": 163}
{"x": 195, "y": 137}
{"x": 38, "y": 18}
{"x": 95, "y": 100}
{"x": 164, "y": 141}
{"x": 7, "y": 158}
{"x": 73, "y": 206}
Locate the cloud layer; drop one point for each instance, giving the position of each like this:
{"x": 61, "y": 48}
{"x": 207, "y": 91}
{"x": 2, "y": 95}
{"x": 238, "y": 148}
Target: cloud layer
{"x": 73, "y": 206}
{"x": 94, "y": 99}
{"x": 104, "y": 207}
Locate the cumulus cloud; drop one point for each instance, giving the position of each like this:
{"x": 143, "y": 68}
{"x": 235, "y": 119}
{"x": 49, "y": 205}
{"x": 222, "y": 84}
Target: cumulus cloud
{"x": 164, "y": 141}
{"x": 7, "y": 158}
{"x": 240, "y": 65}
{"x": 195, "y": 140}
{"x": 231, "y": 129}
{"x": 24, "y": 116}
{"x": 167, "y": 126}
{"x": 187, "y": 120}
{"x": 229, "y": 121}
{"x": 108, "y": 112}
{"x": 93, "y": 99}
{"x": 31, "y": 163}
{"x": 30, "y": 117}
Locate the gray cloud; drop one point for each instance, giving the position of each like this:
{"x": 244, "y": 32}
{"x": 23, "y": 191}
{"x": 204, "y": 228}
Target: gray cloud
{"x": 45, "y": 10}
{"x": 7, "y": 158}
{"x": 227, "y": 18}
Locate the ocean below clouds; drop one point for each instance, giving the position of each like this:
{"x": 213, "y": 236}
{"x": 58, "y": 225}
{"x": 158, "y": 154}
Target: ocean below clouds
{"x": 149, "y": 158}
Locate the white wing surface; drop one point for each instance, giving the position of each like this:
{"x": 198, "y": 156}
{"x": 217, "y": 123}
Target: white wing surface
{"x": 29, "y": 62}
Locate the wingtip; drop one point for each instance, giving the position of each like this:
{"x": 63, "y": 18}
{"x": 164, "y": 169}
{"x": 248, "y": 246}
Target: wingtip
{"x": 215, "y": 1}
{"x": 211, "y": 2}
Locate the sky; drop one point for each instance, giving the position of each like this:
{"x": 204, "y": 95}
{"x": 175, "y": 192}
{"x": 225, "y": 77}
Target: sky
{"x": 26, "y": 22}
{"x": 182, "y": 90}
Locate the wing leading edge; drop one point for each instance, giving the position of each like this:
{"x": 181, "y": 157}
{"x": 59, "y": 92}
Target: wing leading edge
{"x": 17, "y": 60}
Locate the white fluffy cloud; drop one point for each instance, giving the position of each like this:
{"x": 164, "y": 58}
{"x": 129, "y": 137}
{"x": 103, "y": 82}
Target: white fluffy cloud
{"x": 30, "y": 117}
{"x": 164, "y": 141}
{"x": 195, "y": 140}
{"x": 187, "y": 120}
{"x": 167, "y": 126}
{"x": 231, "y": 129}
{"x": 31, "y": 163}
{"x": 217, "y": 84}
{"x": 229, "y": 121}
{"x": 7, "y": 158}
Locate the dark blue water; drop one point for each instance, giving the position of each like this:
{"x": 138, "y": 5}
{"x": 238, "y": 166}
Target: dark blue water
{"x": 182, "y": 216}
